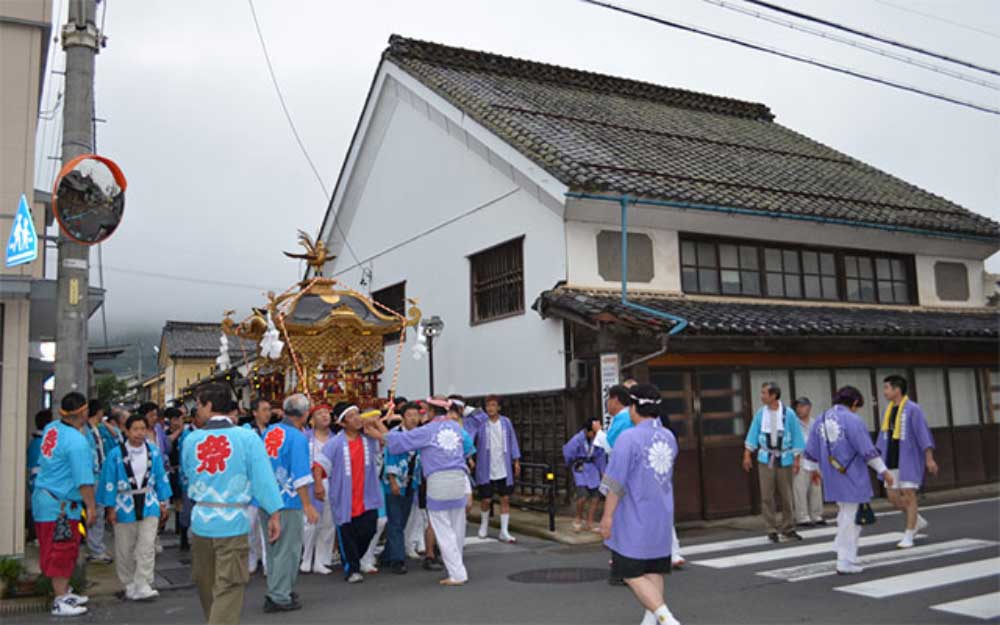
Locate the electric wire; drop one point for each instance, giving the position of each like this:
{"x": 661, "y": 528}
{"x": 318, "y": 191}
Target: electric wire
{"x": 291, "y": 125}
{"x": 205, "y": 281}
{"x": 866, "y": 35}
{"x": 896, "y": 56}
{"x": 794, "y": 57}
{"x": 938, "y": 18}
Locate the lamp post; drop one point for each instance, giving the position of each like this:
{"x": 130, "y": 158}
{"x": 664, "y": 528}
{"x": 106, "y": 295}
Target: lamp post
{"x": 432, "y": 327}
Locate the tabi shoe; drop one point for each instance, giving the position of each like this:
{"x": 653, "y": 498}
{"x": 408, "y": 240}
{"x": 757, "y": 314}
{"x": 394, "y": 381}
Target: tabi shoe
{"x": 849, "y": 569}
{"x": 412, "y": 554}
{"x": 272, "y": 606}
{"x": 144, "y": 594}
{"x": 398, "y": 568}
{"x": 577, "y": 526}
{"x": 506, "y": 538}
{"x": 355, "y": 578}
{"x": 319, "y": 569}
{"x": 369, "y": 570}
{"x": 678, "y": 563}
{"x": 62, "y": 607}
{"x": 906, "y": 543}
{"x": 76, "y": 599}
{"x": 100, "y": 558}
{"x": 483, "y": 532}
{"x": 791, "y": 536}
{"x": 451, "y": 582}
{"x": 773, "y": 537}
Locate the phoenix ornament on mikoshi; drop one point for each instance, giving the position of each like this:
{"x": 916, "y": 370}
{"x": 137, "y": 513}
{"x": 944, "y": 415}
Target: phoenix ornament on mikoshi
{"x": 316, "y": 254}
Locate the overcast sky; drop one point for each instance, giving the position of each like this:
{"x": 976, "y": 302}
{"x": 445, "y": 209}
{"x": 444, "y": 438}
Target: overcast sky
{"x": 217, "y": 186}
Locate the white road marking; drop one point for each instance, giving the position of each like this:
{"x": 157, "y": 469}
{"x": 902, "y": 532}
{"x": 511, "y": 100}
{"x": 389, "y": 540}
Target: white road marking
{"x": 923, "y": 580}
{"x": 756, "y": 541}
{"x": 982, "y": 606}
{"x": 786, "y": 553}
{"x": 803, "y": 572}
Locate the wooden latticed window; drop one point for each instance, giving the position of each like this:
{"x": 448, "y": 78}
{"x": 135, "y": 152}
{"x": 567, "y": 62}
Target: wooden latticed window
{"x": 497, "y": 277}
{"x": 394, "y": 298}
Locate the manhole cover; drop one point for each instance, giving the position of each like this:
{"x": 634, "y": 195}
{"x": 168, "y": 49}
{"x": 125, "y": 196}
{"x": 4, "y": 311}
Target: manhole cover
{"x": 567, "y": 575}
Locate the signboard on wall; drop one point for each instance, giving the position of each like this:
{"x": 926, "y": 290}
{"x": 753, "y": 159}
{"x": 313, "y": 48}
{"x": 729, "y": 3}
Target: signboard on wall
{"x": 610, "y": 375}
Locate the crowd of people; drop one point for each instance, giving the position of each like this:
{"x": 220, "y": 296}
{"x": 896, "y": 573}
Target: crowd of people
{"x": 309, "y": 488}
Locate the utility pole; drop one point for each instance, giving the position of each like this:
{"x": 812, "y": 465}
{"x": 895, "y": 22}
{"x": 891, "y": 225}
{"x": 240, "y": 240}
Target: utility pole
{"x": 81, "y": 41}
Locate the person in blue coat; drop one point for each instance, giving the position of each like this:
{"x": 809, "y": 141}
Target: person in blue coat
{"x": 42, "y": 419}
{"x": 135, "y": 491}
{"x": 224, "y": 467}
{"x": 776, "y": 437}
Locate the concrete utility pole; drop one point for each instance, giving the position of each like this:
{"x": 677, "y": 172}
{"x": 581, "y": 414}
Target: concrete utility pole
{"x": 81, "y": 41}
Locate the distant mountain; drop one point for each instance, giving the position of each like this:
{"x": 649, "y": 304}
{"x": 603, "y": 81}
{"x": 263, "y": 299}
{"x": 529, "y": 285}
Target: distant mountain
{"x": 128, "y": 362}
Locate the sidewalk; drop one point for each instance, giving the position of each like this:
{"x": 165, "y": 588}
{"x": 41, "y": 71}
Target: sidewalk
{"x": 537, "y": 524}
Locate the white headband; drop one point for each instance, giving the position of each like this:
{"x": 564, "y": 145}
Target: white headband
{"x": 344, "y": 412}
{"x": 642, "y": 400}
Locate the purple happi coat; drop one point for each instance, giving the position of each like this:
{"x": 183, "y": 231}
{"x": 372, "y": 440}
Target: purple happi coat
{"x": 915, "y": 438}
{"x": 483, "y": 451}
{"x": 641, "y": 473}
{"x": 440, "y": 445}
{"x": 594, "y": 460}
{"x": 336, "y": 461}
{"x": 841, "y": 434}
{"x": 315, "y": 455}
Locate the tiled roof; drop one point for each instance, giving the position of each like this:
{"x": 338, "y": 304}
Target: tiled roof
{"x": 191, "y": 339}
{"x": 598, "y": 133}
{"x": 736, "y": 318}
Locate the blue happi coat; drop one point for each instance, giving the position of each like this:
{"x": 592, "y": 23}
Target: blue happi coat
{"x": 116, "y": 489}
{"x": 792, "y": 440}
{"x": 288, "y": 450}
{"x": 225, "y": 467}
{"x": 65, "y": 464}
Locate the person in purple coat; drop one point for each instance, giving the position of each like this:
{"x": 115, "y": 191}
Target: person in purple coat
{"x": 587, "y": 461}
{"x": 498, "y": 464}
{"x": 638, "y": 520}
{"x": 354, "y": 491}
{"x": 907, "y": 447}
{"x": 839, "y": 452}
{"x": 442, "y": 458}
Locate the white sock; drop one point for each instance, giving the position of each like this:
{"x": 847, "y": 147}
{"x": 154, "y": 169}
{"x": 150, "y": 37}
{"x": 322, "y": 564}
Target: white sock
{"x": 908, "y": 534}
{"x": 484, "y": 522}
{"x": 504, "y": 522}
{"x": 648, "y": 618}
{"x": 662, "y": 614}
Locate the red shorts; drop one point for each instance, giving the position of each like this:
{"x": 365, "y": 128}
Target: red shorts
{"x": 57, "y": 559}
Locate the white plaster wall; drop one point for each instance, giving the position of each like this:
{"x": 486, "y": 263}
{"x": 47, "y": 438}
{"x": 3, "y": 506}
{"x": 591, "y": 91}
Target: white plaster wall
{"x": 425, "y": 172}
{"x": 927, "y": 287}
{"x": 585, "y": 218}
{"x": 581, "y": 244}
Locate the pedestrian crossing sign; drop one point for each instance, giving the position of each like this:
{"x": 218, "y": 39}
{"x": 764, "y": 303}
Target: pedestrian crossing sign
{"x": 22, "y": 246}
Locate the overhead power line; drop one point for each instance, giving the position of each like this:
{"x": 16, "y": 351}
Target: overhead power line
{"x": 291, "y": 125}
{"x": 795, "y": 57}
{"x": 879, "y": 38}
{"x": 939, "y": 19}
{"x": 167, "y": 276}
{"x": 897, "y": 56}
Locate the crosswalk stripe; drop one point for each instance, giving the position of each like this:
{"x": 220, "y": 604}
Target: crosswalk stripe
{"x": 982, "y": 606}
{"x": 803, "y": 572}
{"x": 922, "y": 580}
{"x": 756, "y": 541}
{"x": 475, "y": 540}
{"x": 758, "y": 557}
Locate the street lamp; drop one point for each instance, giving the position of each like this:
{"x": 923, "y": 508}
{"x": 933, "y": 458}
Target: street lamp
{"x": 432, "y": 327}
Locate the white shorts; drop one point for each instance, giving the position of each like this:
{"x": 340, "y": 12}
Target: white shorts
{"x": 897, "y": 485}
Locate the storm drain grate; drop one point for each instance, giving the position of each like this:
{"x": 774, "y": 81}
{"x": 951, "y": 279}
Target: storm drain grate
{"x": 566, "y": 575}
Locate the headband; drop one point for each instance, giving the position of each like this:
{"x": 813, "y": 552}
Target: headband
{"x": 344, "y": 412}
{"x": 643, "y": 400}
{"x": 458, "y": 402}
{"x": 318, "y": 407}
{"x": 72, "y": 413}
{"x": 440, "y": 403}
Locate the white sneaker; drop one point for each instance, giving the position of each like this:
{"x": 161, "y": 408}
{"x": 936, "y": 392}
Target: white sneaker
{"x": 303, "y": 568}
{"x": 483, "y": 532}
{"x": 319, "y": 569}
{"x": 849, "y": 569}
{"x": 906, "y": 543}
{"x": 355, "y": 578}
{"x": 412, "y": 554}
{"x": 76, "y": 599}
{"x": 129, "y": 590}
{"x": 507, "y": 538}
{"x": 62, "y": 607}
{"x": 145, "y": 594}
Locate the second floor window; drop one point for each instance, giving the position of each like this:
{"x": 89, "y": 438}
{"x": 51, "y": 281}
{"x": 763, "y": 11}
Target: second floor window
{"x": 497, "y": 281}
{"x": 751, "y": 269}
{"x": 394, "y": 298}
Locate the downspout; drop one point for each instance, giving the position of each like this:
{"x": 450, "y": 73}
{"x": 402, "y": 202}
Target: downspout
{"x": 679, "y": 322}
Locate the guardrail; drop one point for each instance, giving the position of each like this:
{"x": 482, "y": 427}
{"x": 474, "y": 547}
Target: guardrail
{"x": 547, "y": 485}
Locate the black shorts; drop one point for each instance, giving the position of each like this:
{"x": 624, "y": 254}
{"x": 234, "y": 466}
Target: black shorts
{"x": 496, "y": 487}
{"x": 582, "y": 492}
{"x": 422, "y": 495}
{"x": 623, "y": 567}
{"x": 176, "y": 494}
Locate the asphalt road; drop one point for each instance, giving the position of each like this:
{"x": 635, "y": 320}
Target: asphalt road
{"x": 723, "y": 583}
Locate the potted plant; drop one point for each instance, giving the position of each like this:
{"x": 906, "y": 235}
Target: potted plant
{"x": 10, "y": 571}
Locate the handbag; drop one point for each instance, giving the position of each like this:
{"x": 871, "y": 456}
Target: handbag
{"x": 865, "y": 515}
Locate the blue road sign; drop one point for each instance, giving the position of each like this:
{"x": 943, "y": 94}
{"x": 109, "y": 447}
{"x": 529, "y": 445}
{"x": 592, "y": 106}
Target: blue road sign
{"x": 22, "y": 246}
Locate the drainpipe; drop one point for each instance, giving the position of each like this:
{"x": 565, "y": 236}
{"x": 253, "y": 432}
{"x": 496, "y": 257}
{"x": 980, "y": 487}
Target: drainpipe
{"x": 679, "y": 322}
